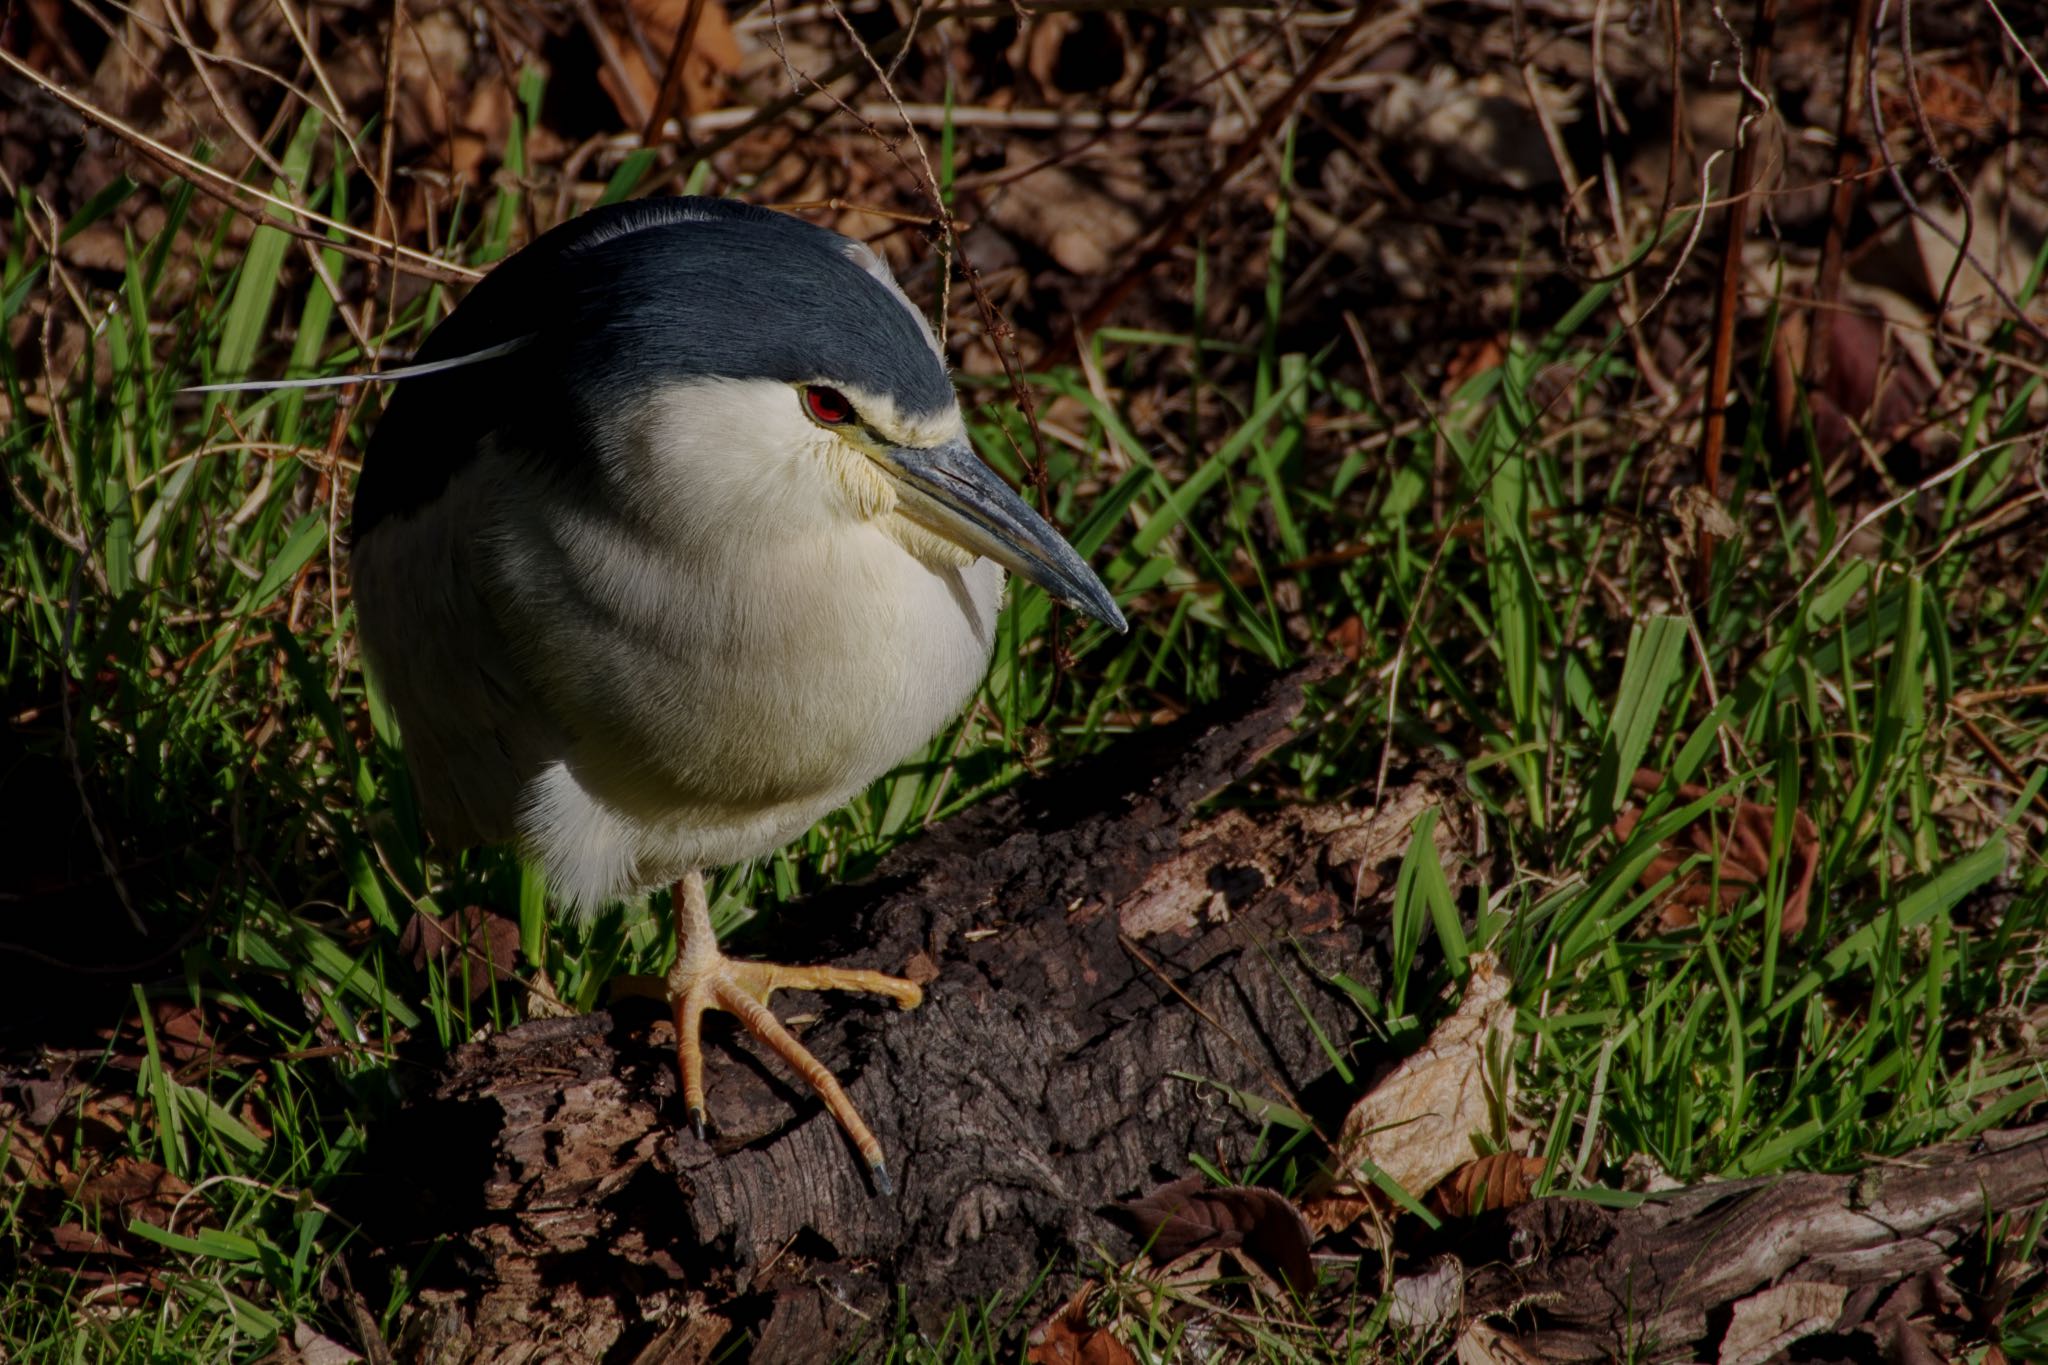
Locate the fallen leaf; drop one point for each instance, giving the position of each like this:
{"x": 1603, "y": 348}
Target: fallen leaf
{"x": 1328, "y": 1212}
{"x": 1430, "y": 1300}
{"x": 1500, "y": 1181}
{"x": 1698, "y": 510}
{"x": 1765, "y": 1324}
{"x": 74, "y": 1239}
{"x": 1192, "y": 1215}
{"x": 1742, "y": 856}
{"x": 714, "y": 55}
{"x": 1480, "y": 1344}
{"x": 1478, "y": 129}
{"x": 487, "y": 940}
{"x": 1084, "y": 222}
{"x": 128, "y": 1188}
{"x": 315, "y": 1349}
{"x": 1066, "y": 1338}
{"x": 181, "y": 1031}
{"x": 1471, "y": 359}
{"x": 1347, "y": 637}
{"x": 1417, "y": 1124}
{"x": 44, "y": 1100}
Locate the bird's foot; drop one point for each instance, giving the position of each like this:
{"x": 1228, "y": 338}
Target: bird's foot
{"x": 701, "y": 980}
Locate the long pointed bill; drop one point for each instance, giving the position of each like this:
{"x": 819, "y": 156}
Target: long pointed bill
{"x": 950, "y": 492}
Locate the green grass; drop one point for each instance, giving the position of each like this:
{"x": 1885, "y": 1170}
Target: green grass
{"x": 173, "y": 635}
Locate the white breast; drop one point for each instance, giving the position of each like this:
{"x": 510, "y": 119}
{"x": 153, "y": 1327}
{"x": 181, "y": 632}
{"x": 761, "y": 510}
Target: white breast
{"x": 730, "y": 668}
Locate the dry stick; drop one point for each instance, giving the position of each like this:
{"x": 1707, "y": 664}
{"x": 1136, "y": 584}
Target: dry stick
{"x": 1941, "y": 164}
{"x": 1162, "y": 117}
{"x": 219, "y": 185}
{"x": 893, "y": 44}
{"x": 1851, "y": 158}
{"x": 1999, "y": 759}
{"x": 1991, "y": 694}
{"x": 1728, "y": 301}
{"x": 230, "y": 113}
{"x": 2014, "y": 39}
{"x": 385, "y": 221}
{"x": 745, "y": 22}
{"x": 608, "y": 52}
{"x": 1934, "y": 225}
{"x": 775, "y": 109}
{"x": 672, "y": 79}
{"x": 1179, "y": 221}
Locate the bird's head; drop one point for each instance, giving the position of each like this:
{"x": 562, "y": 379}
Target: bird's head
{"x": 730, "y": 371}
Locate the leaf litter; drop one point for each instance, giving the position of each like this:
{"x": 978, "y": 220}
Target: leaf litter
{"x": 1724, "y": 856}
{"x": 1434, "y": 1126}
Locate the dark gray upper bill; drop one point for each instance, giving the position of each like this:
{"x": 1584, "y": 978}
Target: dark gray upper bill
{"x": 948, "y": 490}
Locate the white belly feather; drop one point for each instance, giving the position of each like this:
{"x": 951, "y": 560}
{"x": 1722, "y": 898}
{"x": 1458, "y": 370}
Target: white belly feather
{"x": 647, "y": 711}
{"x": 785, "y": 694}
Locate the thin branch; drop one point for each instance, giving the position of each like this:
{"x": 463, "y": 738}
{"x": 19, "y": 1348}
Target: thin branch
{"x": 1741, "y": 176}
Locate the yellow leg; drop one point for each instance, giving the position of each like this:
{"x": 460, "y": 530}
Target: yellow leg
{"x": 704, "y": 978}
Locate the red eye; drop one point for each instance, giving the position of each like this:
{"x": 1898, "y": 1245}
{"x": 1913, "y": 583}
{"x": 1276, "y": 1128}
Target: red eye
{"x": 829, "y": 406}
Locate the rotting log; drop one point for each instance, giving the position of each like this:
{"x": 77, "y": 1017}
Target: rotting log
{"x": 1580, "y": 1282}
{"x": 1104, "y": 968}
{"x": 1104, "y": 971}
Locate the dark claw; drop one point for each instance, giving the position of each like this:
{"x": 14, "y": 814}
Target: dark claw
{"x": 697, "y": 1122}
{"x": 882, "y": 1184}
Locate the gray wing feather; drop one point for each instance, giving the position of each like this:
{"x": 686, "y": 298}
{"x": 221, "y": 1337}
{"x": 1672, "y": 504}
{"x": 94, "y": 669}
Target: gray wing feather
{"x": 475, "y": 733}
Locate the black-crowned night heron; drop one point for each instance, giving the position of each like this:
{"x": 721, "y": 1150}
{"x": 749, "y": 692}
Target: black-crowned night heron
{"x": 693, "y": 551}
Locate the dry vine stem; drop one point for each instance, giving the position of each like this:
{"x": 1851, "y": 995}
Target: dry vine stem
{"x": 1741, "y": 179}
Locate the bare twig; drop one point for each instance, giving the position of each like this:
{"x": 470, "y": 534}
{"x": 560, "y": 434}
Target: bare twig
{"x": 607, "y": 46}
{"x": 1850, "y": 159}
{"x": 667, "y": 100}
{"x": 1727, "y": 302}
{"x": 227, "y": 189}
{"x": 1174, "y": 227}
{"x": 1934, "y": 225}
{"x": 1938, "y": 161}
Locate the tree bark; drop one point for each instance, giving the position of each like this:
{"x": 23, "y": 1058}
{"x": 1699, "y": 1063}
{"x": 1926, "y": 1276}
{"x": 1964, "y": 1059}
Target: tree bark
{"x": 1658, "y": 1280}
{"x": 1111, "y": 983}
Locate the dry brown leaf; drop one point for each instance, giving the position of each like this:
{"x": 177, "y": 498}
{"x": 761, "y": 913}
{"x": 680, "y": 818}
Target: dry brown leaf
{"x": 1480, "y": 1344}
{"x": 1084, "y": 222}
{"x": 488, "y": 941}
{"x": 128, "y": 1188}
{"x": 74, "y": 1239}
{"x": 1697, "y": 510}
{"x": 714, "y": 55}
{"x": 1431, "y": 1300}
{"x": 33, "y": 1153}
{"x": 1471, "y": 359}
{"x": 1042, "y": 46}
{"x": 1329, "y": 1212}
{"x": 1192, "y": 1215}
{"x": 1764, "y": 1324}
{"x": 1478, "y": 129}
{"x": 181, "y": 1031}
{"x": 1743, "y": 855}
{"x": 1500, "y": 1181}
{"x": 316, "y": 1349}
{"x": 1065, "y": 1338}
{"x": 1417, "y": 1124}
{"x": 1347, "y": 637}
